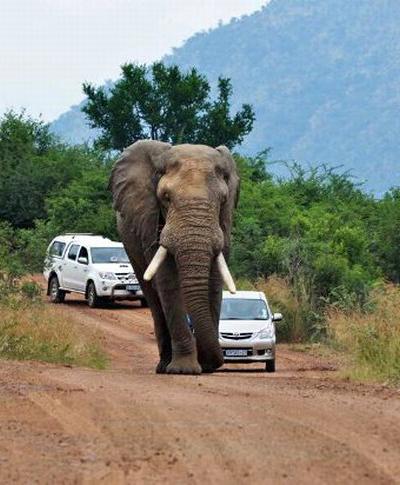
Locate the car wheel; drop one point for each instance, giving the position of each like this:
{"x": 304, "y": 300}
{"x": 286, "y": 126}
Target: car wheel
{"x": 92, "y": 298}
{"x": 270, "y": 365}
{"x": 143, "y": 303}
{"x": 56, "y": 295}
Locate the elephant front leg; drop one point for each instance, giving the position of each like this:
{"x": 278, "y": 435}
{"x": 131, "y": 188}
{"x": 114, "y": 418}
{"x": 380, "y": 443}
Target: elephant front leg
{"x": 160, "y": 327}
{"x": 183, "y": 345}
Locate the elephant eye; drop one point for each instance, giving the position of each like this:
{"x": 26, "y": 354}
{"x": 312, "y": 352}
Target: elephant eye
{"x": 166, "y": 197}
{"x": 221, "y": 172}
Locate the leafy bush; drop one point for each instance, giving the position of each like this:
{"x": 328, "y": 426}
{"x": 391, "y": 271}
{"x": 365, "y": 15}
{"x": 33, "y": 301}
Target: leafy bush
{"x": 31, "y": 290}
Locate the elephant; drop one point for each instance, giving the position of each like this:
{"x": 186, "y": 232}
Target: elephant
{"x": 174, "y": 207}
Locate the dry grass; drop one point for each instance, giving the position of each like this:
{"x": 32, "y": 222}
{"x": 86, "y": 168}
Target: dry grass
{"x": 295, "y": 326}
{"x": 31, "y": 330}
{"x": 372, "y": 339}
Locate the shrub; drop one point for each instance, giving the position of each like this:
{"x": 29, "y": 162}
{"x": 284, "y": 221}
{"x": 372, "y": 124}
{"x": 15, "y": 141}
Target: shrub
{"x": 31, "y": 290}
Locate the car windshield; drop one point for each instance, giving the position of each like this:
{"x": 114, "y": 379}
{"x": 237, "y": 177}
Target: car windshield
{"x": 109, "y": 255}
{"x": 243, "y": 309}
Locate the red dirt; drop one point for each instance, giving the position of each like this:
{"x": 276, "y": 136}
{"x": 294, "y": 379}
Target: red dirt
{"x": 128, "y": 425}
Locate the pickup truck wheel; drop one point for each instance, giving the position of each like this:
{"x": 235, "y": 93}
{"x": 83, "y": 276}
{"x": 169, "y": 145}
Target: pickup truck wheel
{"x": 143, "y": 303}
{"x": 56, "y": 295}
{"x": 270, "y": 365}
{"x": 92, "y": 298}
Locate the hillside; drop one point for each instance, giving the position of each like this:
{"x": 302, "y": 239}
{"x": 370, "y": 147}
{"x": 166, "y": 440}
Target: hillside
{"x": 322, "y": 75}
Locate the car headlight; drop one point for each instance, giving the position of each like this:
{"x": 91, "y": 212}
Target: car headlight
{"x": 107, "y": 276}
{"x": 267, "y": 332}
{"x": 131, "y": 276}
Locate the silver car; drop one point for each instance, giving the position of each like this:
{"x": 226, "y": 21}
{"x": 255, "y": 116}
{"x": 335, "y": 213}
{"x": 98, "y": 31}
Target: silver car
{"x": 247, "y": 328}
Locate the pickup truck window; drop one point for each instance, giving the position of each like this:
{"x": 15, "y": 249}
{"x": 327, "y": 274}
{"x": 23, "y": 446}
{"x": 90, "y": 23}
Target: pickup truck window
{"x": 109, "y": 255}
{"x": 73, "y": 251}
{"x": 57, "y": 249}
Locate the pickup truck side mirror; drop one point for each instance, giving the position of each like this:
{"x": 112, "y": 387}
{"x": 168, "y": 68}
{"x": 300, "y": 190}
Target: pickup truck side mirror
{"x": 83, "y": 260}
{"x": 277, "y": 317}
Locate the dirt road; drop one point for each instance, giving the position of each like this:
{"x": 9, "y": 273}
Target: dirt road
{"x": 128, "y": 425}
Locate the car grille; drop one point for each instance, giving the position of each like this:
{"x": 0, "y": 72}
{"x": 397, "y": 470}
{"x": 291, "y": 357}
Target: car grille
{"x": 123, "y": 278}
{"x": 236, "y": 336}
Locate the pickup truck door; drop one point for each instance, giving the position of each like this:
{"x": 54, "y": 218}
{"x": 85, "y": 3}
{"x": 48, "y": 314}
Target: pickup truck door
{"x": 70, "y": 268}
{"x": 81, "y": 270}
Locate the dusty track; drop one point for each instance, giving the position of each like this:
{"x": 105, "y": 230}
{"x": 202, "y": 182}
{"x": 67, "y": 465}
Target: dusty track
{"x": 239, "y": 425}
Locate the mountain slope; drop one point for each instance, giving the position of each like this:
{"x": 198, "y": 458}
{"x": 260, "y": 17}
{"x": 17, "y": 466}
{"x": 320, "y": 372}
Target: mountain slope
{"x": 323, "y": 77}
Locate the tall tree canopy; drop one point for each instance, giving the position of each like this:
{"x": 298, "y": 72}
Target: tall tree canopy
{"x": 164, "y": 103}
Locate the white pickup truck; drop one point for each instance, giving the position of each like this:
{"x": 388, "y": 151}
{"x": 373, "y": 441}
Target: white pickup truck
{"x": 93, "y": 266}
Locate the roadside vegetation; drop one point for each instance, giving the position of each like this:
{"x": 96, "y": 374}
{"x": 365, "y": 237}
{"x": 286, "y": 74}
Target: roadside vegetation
{"x": 31, "y": 330}
{"x": 324, "y": 250}
{"x": 371, "y": 338}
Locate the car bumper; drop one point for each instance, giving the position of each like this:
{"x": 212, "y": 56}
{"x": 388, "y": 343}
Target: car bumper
{"x": 118, "y": 291}
{"x": 259, "y": 350}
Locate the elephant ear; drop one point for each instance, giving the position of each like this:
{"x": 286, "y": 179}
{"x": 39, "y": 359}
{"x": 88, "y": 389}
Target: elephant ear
{"x": 233, "y": 182}
{"x": 134, "y": 192}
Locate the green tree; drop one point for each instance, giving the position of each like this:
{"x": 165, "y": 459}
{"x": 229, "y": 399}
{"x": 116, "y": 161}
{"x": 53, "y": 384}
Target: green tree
{"x": 34, "y": 166}
{"x": 387, "y": 234}
{"x": 163, "y": 103}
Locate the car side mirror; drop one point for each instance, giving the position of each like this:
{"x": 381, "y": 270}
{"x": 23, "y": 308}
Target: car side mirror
{"x": 277, "y": 317}
{"x": 83, "y": 260}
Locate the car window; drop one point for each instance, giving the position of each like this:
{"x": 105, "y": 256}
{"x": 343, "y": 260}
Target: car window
{"x": 243, "y": 309}
{"x": 57, "y": 249}
{"x": 109, "y": 255}
{"x": 73, "y": 251}
{"x": 83, "y": 253}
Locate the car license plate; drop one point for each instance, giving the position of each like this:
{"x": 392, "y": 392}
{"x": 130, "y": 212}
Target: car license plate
{"x": 132, "y": 287}
{"x": 236, "y": 353}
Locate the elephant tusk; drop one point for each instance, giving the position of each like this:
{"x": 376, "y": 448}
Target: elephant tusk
{"x": 225, "y": 273}
{"x": 155, "y": 263}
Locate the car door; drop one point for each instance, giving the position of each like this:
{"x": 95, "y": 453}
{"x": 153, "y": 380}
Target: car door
{"x": 82, "y": 269}
{"x": 70, "y": 268}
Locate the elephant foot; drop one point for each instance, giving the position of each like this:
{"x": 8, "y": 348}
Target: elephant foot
{"x": 162, "y": 366}
{"x": 210, "y": 363}
{"x": 184, "y": 364}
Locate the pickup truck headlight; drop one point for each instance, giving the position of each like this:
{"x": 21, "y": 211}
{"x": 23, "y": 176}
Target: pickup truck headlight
{"x": 267, "y": 332}
{"x": 107, "y": 276}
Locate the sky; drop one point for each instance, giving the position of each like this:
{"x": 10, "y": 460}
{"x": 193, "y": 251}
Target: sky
{"x": 49, "y": 47}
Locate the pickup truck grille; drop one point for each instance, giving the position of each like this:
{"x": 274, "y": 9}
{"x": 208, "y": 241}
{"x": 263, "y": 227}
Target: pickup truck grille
{"x": 123, "y": 277}
{"x": 236, "y": 336}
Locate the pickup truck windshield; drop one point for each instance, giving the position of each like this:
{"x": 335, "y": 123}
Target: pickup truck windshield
{"x": 109, "y": 255}
{"x": 242, "y": 309}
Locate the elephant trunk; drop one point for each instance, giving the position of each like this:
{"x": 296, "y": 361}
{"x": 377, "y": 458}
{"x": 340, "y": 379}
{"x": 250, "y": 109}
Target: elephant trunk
{"x": 194, "y": 270}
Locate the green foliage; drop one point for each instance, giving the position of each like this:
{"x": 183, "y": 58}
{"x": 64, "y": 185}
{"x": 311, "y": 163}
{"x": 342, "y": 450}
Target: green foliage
{"x": 387, "y": 234}
{"x": 314, "y": 231}
{"x": 35, "y": 166}
{"x": 31, "y": 290}
{"x": 167, "y": 104}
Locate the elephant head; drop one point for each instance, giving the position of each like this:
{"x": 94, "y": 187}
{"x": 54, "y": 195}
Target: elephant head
{"x": 177, "y": 202}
